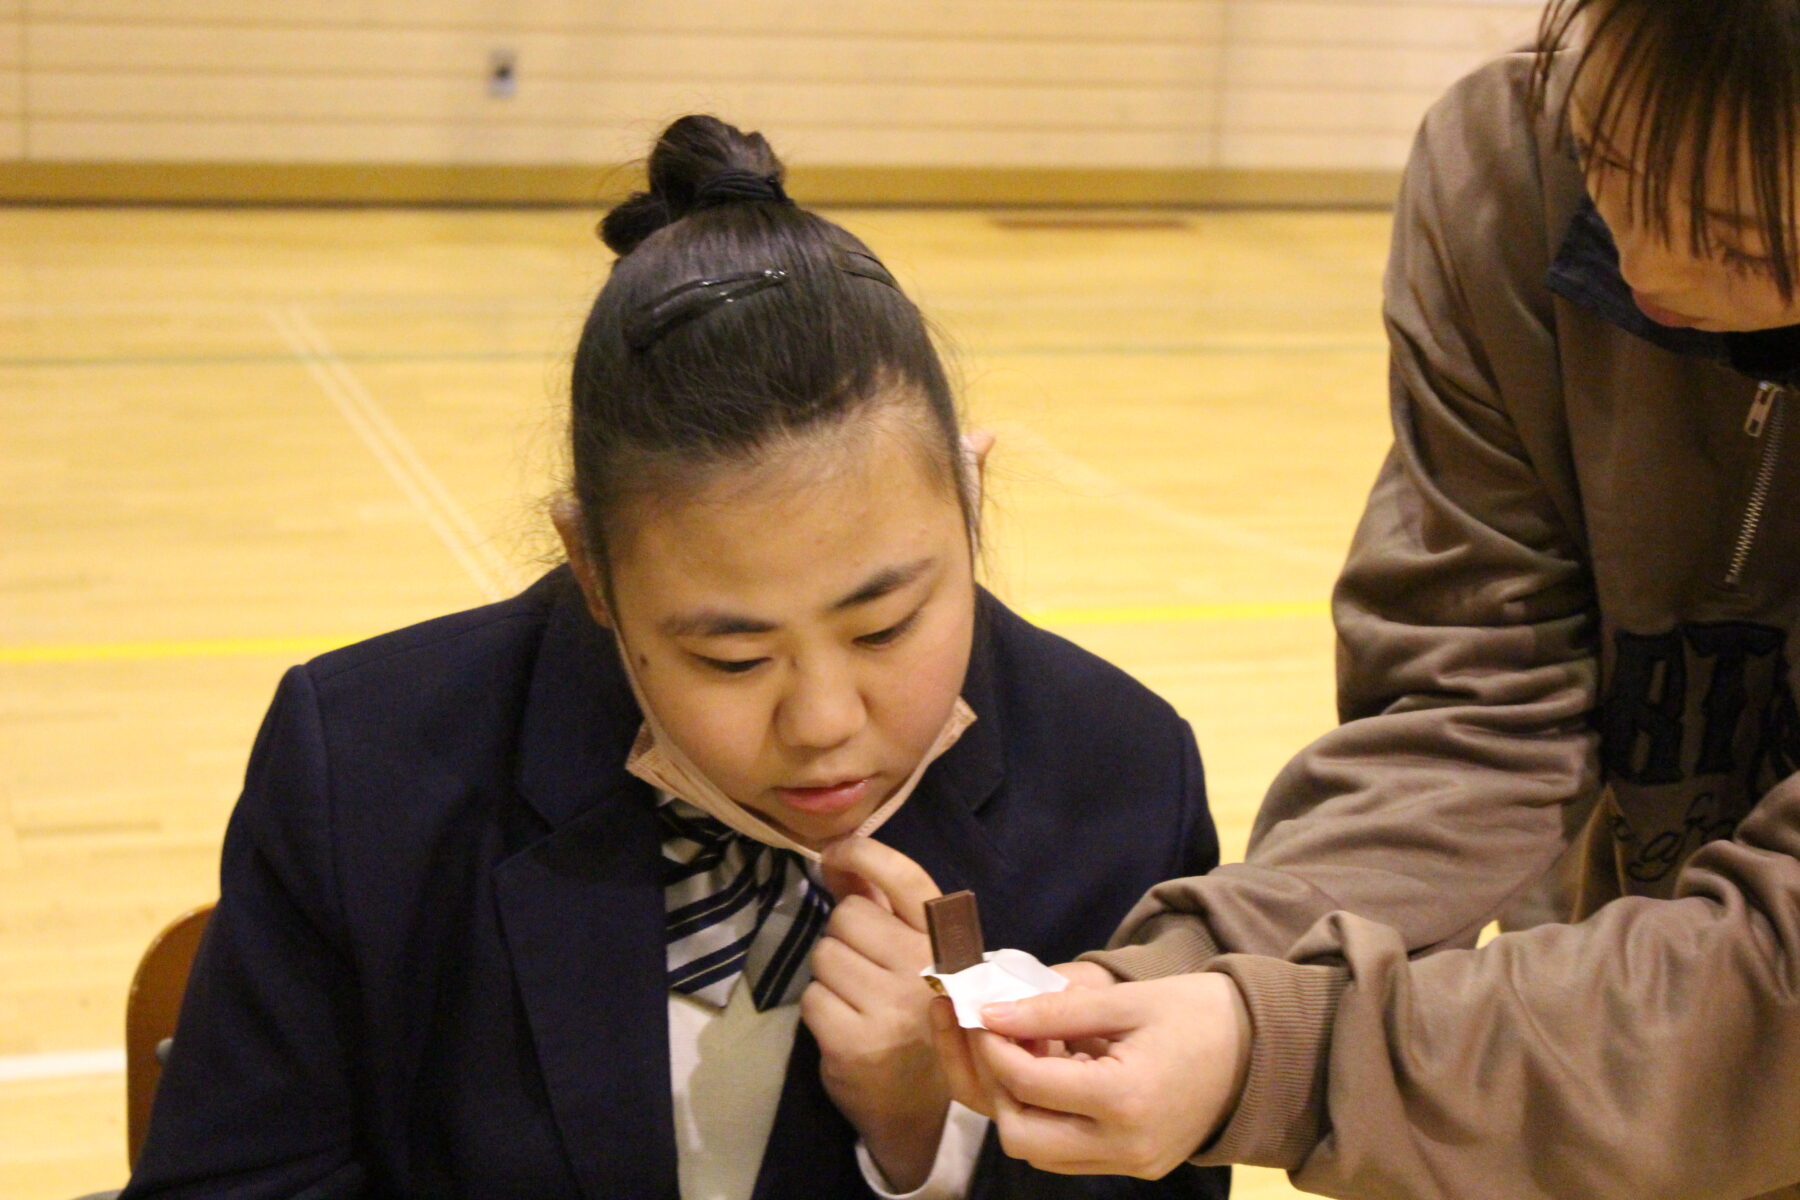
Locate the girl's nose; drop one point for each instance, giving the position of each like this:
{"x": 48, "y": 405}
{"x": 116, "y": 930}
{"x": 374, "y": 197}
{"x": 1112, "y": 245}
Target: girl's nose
{"x": 823, "y": 708}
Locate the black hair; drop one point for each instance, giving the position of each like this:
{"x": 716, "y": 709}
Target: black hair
{"x": 1701, "y": 76}
{"x": 734, "y": 321}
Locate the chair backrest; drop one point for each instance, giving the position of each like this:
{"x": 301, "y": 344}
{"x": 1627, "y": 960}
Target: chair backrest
{"x": 150, "y": 1012}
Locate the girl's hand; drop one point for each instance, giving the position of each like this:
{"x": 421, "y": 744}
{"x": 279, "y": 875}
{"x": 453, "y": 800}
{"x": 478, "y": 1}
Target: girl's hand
{"x": 1153, "y": 1073}
{"x": 870, "y": 1010}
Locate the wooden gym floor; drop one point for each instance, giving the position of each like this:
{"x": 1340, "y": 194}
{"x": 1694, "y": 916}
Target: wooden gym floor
{"x": 232, "y": 439}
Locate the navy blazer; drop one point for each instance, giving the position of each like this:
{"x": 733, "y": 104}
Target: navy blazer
{"x": 437, "y": 964}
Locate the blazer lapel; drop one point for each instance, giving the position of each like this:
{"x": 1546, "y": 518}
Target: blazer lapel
{"x": 582, "y": 911}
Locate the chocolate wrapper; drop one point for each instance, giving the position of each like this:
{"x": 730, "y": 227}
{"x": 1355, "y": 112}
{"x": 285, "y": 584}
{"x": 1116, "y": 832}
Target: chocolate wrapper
{"x": 1001, "y": 975}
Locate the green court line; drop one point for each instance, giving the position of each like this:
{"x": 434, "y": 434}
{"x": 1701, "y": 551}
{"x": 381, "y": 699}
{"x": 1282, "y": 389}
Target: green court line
{"x": 306, "y": 647}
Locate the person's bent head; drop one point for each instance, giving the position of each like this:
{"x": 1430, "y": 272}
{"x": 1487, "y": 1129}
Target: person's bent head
{"x": 1685, "y": 114}
{"x": 772, "y": 508}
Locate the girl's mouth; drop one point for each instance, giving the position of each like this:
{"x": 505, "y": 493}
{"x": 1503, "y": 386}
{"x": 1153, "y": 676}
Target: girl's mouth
{"x": 1666, "y": 317}
{"x": 829, "y": 800}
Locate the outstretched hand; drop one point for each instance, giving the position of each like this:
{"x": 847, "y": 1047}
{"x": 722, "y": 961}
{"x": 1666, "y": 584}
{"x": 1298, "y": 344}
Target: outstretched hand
{"x": 1130, "y": 1079}
{"x": 870, "y": 1010}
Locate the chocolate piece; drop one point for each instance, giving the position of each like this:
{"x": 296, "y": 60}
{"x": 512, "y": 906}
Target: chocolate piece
{"x": 955, "y": 928}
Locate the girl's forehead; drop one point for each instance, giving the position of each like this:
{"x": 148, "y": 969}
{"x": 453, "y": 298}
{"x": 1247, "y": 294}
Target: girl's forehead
{"x": 1619, "y": 123}
{"x": 805, "y": 518}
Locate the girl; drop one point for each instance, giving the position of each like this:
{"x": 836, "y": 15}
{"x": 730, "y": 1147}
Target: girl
{"x": 526, "y": 901}
{"x": 1570, "y": 618}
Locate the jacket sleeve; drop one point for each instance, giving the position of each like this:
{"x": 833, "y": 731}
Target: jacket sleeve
{"x": 1467, "y": 669}
{"x": 1652, "y": 1050}
{"x": 256, "y": 1099}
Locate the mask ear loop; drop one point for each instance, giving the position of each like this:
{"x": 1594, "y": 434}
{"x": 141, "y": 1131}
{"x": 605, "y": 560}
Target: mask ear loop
{"x": 659, "y": 761}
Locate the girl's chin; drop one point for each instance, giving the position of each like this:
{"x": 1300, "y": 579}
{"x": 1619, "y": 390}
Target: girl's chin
{"x": 816, "y": 821}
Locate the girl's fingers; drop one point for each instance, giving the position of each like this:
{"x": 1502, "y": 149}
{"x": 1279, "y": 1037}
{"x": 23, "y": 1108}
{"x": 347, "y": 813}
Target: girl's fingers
{"x": 1085, "y": 974}
{"x": 880, "y": 936}
{"x": 827, "y": 1014}
{"x": 862, "y": 984}
{"x": 1071, "y": 1015}
{"x": 1051, "y": 1141}
{"x": 843, "y": 883}
{"x": 1076, "y": 1087}
{"x": 903, "y": 883}
{"x": 952, "y": 1044}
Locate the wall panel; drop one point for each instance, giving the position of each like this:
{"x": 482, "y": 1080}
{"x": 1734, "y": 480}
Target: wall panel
{"x": 1086, "y": 21}
{"x": 569, "y": 103}
{"x": 1314, "y": 110}
{"x": 1045, "y": 85}
{"x": 12, "y": 79}
{"x": 1380, "y": 25}
{"x": 390, "y": 53}
{"x": 415, "y": 143}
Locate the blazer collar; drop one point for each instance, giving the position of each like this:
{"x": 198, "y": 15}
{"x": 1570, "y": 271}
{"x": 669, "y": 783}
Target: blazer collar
{"x": 580, "y": 715}
{"x": 970, "y": 771}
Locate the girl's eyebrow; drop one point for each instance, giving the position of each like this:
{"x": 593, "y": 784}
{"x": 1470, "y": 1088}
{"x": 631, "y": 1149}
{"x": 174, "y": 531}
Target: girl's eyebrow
{"x": 888, "y": 579}
{"x": 717, "y": 623}
{"x": 712, "y": 623}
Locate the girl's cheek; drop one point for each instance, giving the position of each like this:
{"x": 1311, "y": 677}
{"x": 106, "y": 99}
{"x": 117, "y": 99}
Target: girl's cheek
{"x": 931, "y": 681}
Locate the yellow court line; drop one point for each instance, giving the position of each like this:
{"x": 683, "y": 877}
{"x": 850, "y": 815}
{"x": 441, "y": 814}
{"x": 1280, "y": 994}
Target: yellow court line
{"x": 1160, "y": 614}
{"x": 305, "y": 647}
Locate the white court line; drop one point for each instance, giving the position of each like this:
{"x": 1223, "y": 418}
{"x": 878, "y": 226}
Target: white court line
{"x": 441, "y": 511}
{"x": 1101, "y": 486}
{"x": 66, "y": 1064}
{"x": 27, "y": 310}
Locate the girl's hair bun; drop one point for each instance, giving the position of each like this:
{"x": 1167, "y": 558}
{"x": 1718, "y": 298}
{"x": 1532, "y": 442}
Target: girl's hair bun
{"x": 699, "y": 162}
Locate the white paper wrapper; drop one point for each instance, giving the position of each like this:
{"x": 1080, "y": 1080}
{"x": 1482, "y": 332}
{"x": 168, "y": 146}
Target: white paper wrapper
{"x": 1001, "y": 975}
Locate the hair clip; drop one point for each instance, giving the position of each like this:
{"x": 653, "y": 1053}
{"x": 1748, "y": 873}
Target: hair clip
{"x": 687, "y": 301}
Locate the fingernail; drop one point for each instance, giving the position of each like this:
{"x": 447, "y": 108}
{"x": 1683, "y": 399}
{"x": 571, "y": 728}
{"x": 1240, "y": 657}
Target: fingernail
{"x": 1000, "y": 1008}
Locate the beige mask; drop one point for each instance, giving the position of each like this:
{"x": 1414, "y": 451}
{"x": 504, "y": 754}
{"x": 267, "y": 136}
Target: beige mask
{"x": 658, "y": 761}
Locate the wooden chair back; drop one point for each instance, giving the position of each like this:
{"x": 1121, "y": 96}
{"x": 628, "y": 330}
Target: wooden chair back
{"x": 150, "y": 1012}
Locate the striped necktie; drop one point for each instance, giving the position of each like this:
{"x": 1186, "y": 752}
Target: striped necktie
{"x": 736, "y": 907}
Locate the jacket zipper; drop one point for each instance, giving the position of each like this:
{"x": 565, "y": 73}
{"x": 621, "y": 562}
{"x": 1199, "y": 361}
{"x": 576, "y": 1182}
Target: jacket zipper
{"x": 1765, "y": 422}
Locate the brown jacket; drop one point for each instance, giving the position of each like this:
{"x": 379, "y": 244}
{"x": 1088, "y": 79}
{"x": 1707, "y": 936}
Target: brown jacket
{"x": 1567, "y": 619}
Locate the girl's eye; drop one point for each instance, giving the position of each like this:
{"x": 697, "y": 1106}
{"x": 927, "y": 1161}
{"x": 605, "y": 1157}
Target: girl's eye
{"x": 1747, "y": 264}
{"x": 1594, "y": 163}
{"x": 893, "y": 633}
{"x": 732, "y": 666}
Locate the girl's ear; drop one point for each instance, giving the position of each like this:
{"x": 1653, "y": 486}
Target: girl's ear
{"x": 571, "y": 527}
{"x": 975, "y": 446}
